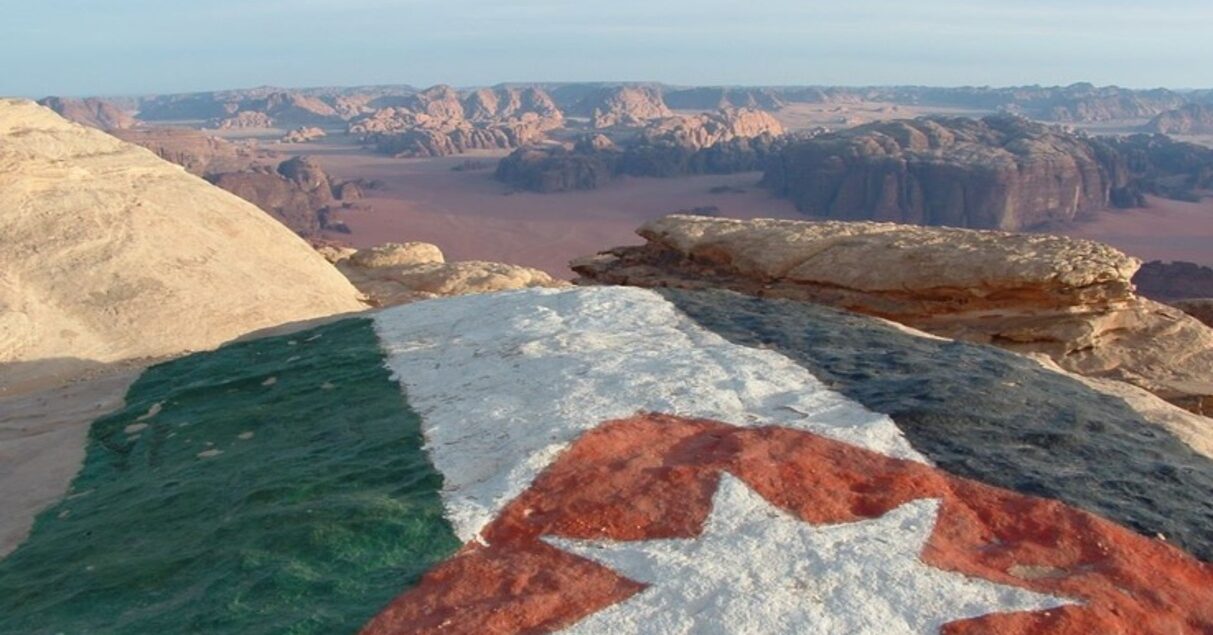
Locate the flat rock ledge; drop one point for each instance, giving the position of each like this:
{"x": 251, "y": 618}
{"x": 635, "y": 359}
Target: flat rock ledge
{"x": 1069, "y": 299}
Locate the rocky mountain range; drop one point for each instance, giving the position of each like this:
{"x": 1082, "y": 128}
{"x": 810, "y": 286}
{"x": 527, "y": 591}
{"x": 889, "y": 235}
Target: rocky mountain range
{"x": 1185, "y": 120}
{"x": 439, "y": 121}
{"x": 92, "y": 112}
{"x": 726, "y": 141}
{"x": 999, "y": 172}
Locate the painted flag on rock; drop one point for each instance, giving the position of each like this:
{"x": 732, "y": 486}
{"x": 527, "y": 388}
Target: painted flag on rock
{"x": 614, "y": 460}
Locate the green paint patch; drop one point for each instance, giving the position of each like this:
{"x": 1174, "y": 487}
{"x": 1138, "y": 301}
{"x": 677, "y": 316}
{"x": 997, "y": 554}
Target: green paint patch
{"x": 272, "y": 486}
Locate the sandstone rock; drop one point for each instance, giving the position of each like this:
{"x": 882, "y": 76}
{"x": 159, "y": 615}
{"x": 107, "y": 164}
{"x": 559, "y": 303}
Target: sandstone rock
{"x": 1069, "y": 299}
{"x": 622, "y": 106}
{"x": 92, "y": 112}
{"x": 298, "y": 193}
{"x": 242, "y": 119}
{"x": 199, "y": 153}
{"x": 1000, "y": 172}
{"x": 395, "y": 273}
{"x": 397, "y": 255}
{"x": 112, "y": 253}
{"x": 303, "y": 134}
{"x": 503, "y": 103}
{"x": 710, "y": 128}
{"x": 717, "y": 97}
{"x": 1188, "y": 119}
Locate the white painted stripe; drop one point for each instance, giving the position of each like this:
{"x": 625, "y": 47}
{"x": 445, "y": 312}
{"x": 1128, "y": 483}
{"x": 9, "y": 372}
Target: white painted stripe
{"x": 504, "y": 382}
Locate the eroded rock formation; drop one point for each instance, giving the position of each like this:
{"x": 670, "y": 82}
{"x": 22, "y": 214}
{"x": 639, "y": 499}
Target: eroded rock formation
{"x": 622, "y": 106}
{"x": 199, "y": 153}
{"x": 438, "y": 122}
{"x": 397, "y": 273}
{"x": 1166, "y": 281}
{"x": 723, "y": 142}
{"x": 1000, "y": 172}
{"x": 92, "y": 112}
{"x": 297, "y": 192}
{"x": 1069, "y": 299}
{"x": 1188, "y": 119}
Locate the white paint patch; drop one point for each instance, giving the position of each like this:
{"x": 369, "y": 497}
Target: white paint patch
{"x": 757, "y": 569}
{"x": 504, "y": 382}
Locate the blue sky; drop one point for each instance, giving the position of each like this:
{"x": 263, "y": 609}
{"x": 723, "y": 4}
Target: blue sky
{"x": 79, "y": 47}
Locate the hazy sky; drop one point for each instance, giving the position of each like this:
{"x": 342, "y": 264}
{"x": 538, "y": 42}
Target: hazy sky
{"x": 81, "y": 47}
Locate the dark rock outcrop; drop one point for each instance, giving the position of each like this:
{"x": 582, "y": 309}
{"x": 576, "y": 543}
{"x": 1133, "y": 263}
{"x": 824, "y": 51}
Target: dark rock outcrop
{"x": 298, "y": 193}
{"x": 92, "y": 112}
{"x": 1167, "y": 281}
{"x": 1000, "y": 172}
{"x": 1189, "y": 119}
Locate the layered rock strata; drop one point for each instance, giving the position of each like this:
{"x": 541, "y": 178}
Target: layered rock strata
{"x": 1069, "y": 299}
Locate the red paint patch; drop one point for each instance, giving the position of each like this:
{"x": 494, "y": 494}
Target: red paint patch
{"x": 654, "y": 476}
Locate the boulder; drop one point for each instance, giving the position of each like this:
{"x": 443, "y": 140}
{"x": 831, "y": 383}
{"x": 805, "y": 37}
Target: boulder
{"x": 396, "y": 273}
{"x": 112, "y": 253}
{"x": 1069, "y": 299}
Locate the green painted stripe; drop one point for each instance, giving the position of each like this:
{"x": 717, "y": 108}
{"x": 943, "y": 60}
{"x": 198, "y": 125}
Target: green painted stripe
{"x": 319, "y": 507}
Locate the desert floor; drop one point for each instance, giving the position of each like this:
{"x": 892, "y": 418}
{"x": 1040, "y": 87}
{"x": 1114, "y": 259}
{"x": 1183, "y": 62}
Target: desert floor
{"x": 1166, "y": 230}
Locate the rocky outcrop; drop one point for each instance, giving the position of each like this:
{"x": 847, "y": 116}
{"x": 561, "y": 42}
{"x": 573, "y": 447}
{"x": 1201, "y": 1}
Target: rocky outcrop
{"x": 1000, "y": 172}
{"x": 92, "y": 112}
{"x": 725, "y": 142}
{"x": 283, "y": 107}
{"x": 1167, "y": 281}
{"x": 621, "y": 106}
{"x": 397, "y": 273}
{"x": 434, "y": 122}
{"x": 112, "y": 253}
{"x": 1189, "y": 119}
{"x": 298, "y": 193}
{"x": 199, "y": 153}
{"x": 710, "y": 128}
{"x": 1069, "y": 299}
{"x": 303, "y": 134}
{"x": 242, "y": 119}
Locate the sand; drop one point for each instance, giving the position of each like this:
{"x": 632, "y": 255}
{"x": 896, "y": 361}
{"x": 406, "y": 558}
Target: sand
{"x": 1166, "y": 230}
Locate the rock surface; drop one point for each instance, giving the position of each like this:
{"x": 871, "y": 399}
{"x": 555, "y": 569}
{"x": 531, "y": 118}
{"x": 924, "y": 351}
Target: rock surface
{"x": 92, "y": 112}
{"x": 621, "y": 106}
{"x": 298, "y": 193}
{"x": 1201, "y": 309}
{"x": 242, "y": 119}
{"x": 1189, "y": 119}
{"x": 728, "y": 141}
{"x": 303, "y": 134}
{"x": 1000, "y": 172}
{"x": 395, "y": 273}
{"x": 199, "y": 153}
{"x": 439, "y": 122}
{"x": 112, "y": 253}
{"x": 1069, "y": 299}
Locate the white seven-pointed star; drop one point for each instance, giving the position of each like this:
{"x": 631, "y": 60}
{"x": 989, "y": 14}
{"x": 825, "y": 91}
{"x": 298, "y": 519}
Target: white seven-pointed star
{"x": 757, "y": 569}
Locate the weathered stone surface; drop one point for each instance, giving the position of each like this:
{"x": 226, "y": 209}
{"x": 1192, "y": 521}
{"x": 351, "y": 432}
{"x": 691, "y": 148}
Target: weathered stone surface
{"x": 710, "y": 128}
{"x": 1069, "y": 299}
{"x": 92, "y": 112}
{"x": 1188, "y": 119}
{"x": 95, "y": 267}
{"x": 396, "y": 273}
